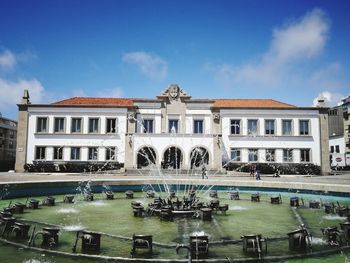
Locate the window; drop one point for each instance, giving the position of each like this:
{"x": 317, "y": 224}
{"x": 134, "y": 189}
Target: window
{"x": 93, "y": 125}
{"x": 147, "y": 126}
{"x": 76, "y": 125}
{"x": 40, "y": 153}
{"x": 93, "y": 153}
{"x": 304, "y": 127}
{"x": 59, "y": 125}
{"x": 287, "y": 127}
{"x": 12, "y": 134}
{"x": 173, "y": 126}
{"x": 58, "y": 153}
{"x": 305, "y": 155}
{"x": 270, "y": 155}
{"x": 235, "y": 126}
{"x": 332, "y": 149}
{"x": 252, "y": 155}
{"x": 269, "y": 127}
{"x": 337, "y": 149}
{"x": 111, "y": 126}
{"x": 41, "y": 125}
{"x": 198, "y": 126}
{"x": 75, "y": 153}
{"x": 252, "y": 127}
{"x": 111, "y": 154}
{"x": 235, "y": 155}
{"x": 11, "y": 145}
{"x": 287, "y": 155}
{"x": 333, "y": 112}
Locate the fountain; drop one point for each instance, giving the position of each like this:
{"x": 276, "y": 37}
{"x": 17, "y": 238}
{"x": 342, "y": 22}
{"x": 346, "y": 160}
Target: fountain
{"x": 144, "y": 242}
{"x": 175, "y": 214}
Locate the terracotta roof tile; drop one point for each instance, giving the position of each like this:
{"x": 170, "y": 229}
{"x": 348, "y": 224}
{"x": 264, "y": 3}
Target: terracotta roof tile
{"x": 219, "y": 103}
{"x": 250, "y": 103}
{"x": 121, "y": 102}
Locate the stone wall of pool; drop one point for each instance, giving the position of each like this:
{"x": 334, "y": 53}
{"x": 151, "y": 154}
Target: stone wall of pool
{"x": 40, "y": 188}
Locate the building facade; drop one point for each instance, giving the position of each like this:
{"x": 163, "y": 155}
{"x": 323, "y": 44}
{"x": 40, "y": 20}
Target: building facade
{"x": 172, "y": 130}
{"x": 339, "y": 133}
{"x": 8, "y": 135}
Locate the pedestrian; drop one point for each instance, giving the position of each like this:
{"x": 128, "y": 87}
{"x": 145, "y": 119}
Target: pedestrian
{"x": 252, "y": 170}
{"x": 257, "y": 172}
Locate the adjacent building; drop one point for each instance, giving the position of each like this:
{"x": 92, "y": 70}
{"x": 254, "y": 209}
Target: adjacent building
{"x": 339, "y": 133}
{"x": 172, "y": 130}
{"x": 8, "y": 135}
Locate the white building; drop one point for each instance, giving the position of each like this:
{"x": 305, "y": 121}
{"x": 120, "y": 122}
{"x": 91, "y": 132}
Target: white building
{"x": 173, "y": 131}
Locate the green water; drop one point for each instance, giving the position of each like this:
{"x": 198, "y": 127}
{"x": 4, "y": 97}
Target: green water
{"x": 116, "y": 217}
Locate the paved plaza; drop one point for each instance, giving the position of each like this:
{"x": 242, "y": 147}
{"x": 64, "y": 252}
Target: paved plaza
{"x": 331, "y": 183}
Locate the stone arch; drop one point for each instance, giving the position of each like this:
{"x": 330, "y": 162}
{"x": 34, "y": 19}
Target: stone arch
{"x": 146, "y": 156}
{"x": 172, "y": 157}
{"x": 199, "y": 156}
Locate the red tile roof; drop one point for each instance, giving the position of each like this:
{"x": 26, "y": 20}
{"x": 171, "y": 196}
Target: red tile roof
{"x": 218, "y": 103}
{"x": 120, "y": 102}
{"x": 250, "y": 103}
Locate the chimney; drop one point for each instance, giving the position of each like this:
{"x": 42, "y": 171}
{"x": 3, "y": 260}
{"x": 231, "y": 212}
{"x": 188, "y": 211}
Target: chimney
{"x": 321, "y": 101}
{"x": 25, "y": 98}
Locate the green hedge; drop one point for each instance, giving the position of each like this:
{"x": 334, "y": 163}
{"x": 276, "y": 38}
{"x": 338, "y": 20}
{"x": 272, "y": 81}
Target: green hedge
{"x": 281, "y": 168}
{"x": 7, "y": 165}
{"x": 72, "y": 167}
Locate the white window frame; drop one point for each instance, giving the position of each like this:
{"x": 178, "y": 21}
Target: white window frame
{"x": 308, "y": 127}
{"x": 194, "y": 126}
{"x": 257, "y": 127}
{"x": 257, "y": 154}
{"x": 274, "y": 127}
{"x": 53, "y": 152}
{"x": 235, "y": 127}
{"x": 37, "y": 125}
{"x": 94, "y": 126}
{"x": 239, "y": 155}
{"x": 144, "y": 127}
{"x": 267, "y": 153}
{"x": 40, "y": 154}
{"x": 288, "y": 158}
{"x": 108, "y": 153}
{"x": 81, "y": 125}
{"x": 291, "y": 127}
{"x": 71, "y": 153}
{"x": 301, "y": 154}
{"x": 64, "y": 125}
{"x": 94, "y": 155}
{"x": 115, "y": 128}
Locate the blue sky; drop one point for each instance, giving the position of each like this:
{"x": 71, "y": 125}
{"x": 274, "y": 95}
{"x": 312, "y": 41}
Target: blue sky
{"x": 285, "y": 50}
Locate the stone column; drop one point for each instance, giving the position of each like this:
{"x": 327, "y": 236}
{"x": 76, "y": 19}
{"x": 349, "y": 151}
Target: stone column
{"x": 22, "y": 133}
{"x": 217, "y": 140}
{"x": 129, "y": 139}
{"x": 324, "y": 141}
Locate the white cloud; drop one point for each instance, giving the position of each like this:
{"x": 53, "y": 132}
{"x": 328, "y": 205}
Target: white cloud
{"x": 303, "y": 38}
{"x": 7, "y": 60}
{"x": 150, "y": 65}
{"x": 331, "y": 99}
{"x": 296, "y": 41}
{"x": 12, "y": 92}
{"x": 116, "y": 92}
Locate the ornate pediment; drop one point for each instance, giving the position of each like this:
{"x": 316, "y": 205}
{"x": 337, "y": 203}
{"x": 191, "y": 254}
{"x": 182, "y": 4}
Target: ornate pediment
{"x": 174, "y": 92}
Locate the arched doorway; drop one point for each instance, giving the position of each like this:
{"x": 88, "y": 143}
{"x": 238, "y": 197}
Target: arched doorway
{"x": 145, "y": 157}
{"x": 198, "y": 157}
{"x": 172, "y": 158}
